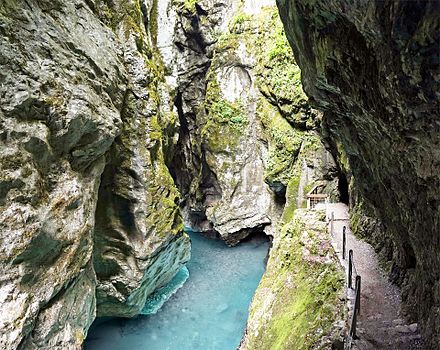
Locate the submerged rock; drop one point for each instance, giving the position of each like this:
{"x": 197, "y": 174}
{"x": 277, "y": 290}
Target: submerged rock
{"x": 159, "y": 297}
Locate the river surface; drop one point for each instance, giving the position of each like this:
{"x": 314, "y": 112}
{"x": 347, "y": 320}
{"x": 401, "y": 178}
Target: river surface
{"x": 208, "y": 313}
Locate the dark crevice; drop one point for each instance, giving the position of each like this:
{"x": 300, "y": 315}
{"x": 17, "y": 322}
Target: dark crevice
{"x": 344, "y": 196}
{"x": 200, "y": 11}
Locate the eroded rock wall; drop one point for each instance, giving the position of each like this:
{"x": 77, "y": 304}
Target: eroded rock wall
{"x": 244, "y": 118}
{"x": 372, "y": 67}
{"x": 76, "y": 79}
{"x": 139, "y": 244}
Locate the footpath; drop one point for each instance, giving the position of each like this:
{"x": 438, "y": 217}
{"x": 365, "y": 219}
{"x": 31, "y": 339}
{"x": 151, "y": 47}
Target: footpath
{"x": 380, "y": 324}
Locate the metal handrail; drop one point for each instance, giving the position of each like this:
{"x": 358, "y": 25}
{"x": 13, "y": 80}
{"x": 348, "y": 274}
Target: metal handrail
{"x": 357, "y": 308}
{"x": 352, "y": 271}
{"x": 314, "y": 190}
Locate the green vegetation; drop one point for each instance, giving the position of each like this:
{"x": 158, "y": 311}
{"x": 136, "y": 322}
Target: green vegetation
{"x": 225, "y": 112}
{"x": 276, "y": 67}
{"x": 225, "y": 120}
{"x": 278, "y": 77}
{"x": 154, "y": 22}
{"x": 284, "y": 143}
{"x": 122, "y": 13}
{"x": 305, "y": 288}
{"x": 281, "y": 107}
{"x": 185, "y": 5}
{"x": 237, "y": 22}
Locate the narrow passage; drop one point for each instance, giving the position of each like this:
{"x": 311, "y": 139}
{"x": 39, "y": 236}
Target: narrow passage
{"x": 380, "y": 323}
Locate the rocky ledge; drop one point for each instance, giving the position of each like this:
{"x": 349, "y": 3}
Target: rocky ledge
{"x": 299, "y": 303}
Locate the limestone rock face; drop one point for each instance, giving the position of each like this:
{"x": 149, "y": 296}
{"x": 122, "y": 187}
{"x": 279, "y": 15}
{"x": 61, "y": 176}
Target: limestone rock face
{"x": 372, "y": 68}
{"x": 196, "y": 28}
{"x": 139, "y": 244}
{"x": 68, "y": 91}
{"x": 239, "y": 104}
{"x": 61, "y": 92}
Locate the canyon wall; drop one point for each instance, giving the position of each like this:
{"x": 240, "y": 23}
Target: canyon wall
{"x": 89, "y": 217}
{"x": 244, "y": 119}
{"x": 372, "y": 68}
{"x": 248, "y": 153}
{"x": 106, "y": 105}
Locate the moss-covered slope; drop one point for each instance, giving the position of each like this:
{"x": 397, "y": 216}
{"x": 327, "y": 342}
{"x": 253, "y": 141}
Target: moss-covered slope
{"x": 299, "y": 302}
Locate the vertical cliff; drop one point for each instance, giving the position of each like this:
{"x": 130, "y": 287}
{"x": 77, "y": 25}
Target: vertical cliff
{"x": 82, "y": 142}
{"x": 139, "y": 245}
{"x": 372, "y": 67}
{"x": 244, "y": 119}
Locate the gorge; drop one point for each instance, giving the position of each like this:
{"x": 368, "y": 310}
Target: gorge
{"x": 208, "y": 312}
{"x": 121, "y": 121}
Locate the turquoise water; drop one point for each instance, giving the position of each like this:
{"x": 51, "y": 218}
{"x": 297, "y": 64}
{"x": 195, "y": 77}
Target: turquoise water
{"x": 208, "y": 313}
{"x": 155, "y": 302}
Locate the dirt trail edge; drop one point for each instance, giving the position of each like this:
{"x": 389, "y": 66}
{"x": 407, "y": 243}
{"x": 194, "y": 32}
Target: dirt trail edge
{"x": 380, "y": 323}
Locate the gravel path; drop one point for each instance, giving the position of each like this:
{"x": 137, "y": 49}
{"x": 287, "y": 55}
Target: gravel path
{"x": 380, "y": 323}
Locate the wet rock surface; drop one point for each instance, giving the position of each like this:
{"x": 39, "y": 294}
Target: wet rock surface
{"x": 371, "y": 67}
{"x": 244, "y": 119}
{"x": 68, "y": 86}
{"x": 139, "y": 243}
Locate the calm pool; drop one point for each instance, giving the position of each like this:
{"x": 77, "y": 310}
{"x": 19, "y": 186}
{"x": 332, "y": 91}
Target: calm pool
{"x": 208, "y": 313}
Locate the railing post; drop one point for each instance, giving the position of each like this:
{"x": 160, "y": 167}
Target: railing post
{"x": 353, "y": 326}
{"x": 358, "y": 293}
{"x": 344, "y": 242}
{"x": 357, "y": 308}
{"x": 332, "y": 218}
{"x": 326, "y": 209}
{"x": 350, "y": 267}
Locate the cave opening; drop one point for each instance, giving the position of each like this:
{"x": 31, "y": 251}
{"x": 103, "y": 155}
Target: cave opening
{"x": 344, "y": 196}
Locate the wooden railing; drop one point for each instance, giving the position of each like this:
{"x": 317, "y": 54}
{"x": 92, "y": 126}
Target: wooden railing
{"x": 314, "y": 197}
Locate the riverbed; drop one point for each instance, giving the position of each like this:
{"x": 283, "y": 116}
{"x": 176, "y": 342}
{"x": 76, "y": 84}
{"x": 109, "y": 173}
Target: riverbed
{"x": 209, "y": 312}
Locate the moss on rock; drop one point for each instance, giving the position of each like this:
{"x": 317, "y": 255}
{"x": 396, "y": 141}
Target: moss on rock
{"x": 225, "y": 121}
{"x": 298, "y": 302}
